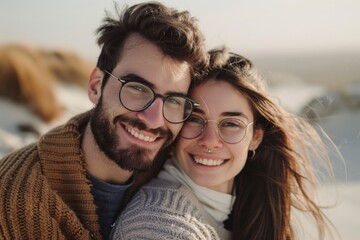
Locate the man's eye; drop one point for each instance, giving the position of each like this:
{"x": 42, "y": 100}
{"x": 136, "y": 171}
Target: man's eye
{"x": 175, "y": 100}
{"x": 138, "y": 88}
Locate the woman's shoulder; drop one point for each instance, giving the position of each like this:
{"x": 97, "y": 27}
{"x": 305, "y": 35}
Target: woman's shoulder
{"x": 167, "y": 195}
{"x": 160, "y": 185}
{"x": 164, "y": 210}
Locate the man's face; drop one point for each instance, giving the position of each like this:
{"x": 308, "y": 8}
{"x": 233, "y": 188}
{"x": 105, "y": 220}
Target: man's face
{"x": 133, "y": 139}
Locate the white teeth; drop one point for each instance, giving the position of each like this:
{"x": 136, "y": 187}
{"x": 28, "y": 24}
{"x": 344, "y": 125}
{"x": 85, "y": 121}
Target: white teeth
{"x": 208, "y": 162}
{"x": 139, "y": 135}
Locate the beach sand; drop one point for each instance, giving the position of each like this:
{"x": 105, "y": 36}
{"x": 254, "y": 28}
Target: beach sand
{"x": 346, "y": 212}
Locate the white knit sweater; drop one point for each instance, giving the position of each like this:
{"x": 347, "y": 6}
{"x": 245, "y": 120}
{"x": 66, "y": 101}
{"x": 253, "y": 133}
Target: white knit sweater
{"x": 166, "y": 210}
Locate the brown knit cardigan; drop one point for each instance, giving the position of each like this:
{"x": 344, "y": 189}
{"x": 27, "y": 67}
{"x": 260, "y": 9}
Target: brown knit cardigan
{"x": 44, "y": 191}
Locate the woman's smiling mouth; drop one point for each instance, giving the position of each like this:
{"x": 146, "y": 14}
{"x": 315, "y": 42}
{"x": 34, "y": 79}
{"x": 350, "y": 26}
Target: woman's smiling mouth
{"x": 207, "y": 161}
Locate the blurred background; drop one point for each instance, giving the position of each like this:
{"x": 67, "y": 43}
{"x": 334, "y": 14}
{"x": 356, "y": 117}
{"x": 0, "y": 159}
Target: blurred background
{"x": 308, "y": 50}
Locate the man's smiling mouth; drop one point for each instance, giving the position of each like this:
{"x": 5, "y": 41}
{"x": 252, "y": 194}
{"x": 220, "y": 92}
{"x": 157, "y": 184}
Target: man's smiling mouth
{"x": 139, "y": 136}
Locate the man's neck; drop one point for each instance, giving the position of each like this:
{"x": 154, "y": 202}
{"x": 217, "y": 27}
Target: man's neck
{"x": 98, "y": 164}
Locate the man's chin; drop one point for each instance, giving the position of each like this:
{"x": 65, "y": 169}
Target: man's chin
{"x": 134, "y": 159}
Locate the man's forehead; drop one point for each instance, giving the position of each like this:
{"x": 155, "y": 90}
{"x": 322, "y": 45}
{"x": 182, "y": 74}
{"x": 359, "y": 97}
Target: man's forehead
{"x": 145, "y": 60}
{"x": 166, "y": 76}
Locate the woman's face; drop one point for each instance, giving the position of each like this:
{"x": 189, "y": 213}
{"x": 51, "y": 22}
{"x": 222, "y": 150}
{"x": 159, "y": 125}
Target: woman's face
{"x": 216, "y": 170}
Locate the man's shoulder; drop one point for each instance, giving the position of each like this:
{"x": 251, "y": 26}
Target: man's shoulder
{"x": 72, "y": 127}
{"x": 10, "y": 160}
{"x": 18, "y": 171}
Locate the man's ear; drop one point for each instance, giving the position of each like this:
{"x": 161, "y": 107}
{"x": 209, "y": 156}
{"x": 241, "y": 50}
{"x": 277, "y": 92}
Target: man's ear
{"x": 94, "y": 86}
{"x": 257, "y": 138}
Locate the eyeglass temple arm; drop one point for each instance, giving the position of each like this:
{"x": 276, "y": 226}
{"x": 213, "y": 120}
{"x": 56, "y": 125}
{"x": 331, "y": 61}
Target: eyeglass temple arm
{"x": 112, "y": 75}
{"x": 196, "y": 105}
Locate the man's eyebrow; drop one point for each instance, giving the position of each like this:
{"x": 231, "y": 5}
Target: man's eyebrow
{"x": 137, "y": 78}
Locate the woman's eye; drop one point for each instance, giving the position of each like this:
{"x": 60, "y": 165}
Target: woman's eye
{"x": 229, "y": 124}
{"x": 195, "y": 120}
{"x": 232, "y": 124}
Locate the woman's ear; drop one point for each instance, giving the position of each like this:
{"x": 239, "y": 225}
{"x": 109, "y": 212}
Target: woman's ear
{"x": 257, "y": 138}
{"x": 94, "y": 86}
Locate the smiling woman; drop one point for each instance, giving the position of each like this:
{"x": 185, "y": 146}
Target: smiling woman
{"x": 228, "y": 131}
{"x": 239, "y": 167}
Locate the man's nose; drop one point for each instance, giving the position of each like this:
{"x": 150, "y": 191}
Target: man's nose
{"x": 153, "y": 116}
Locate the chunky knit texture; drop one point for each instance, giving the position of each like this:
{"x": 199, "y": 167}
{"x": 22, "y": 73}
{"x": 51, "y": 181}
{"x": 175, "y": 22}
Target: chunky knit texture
{"x": 166, "y": 210}
{"x": 44, "y": 191}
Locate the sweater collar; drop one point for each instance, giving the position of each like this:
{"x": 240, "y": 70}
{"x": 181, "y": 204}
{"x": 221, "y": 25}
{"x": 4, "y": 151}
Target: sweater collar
{"x": 63, "y": 165}
{"x": 217, "y": 204}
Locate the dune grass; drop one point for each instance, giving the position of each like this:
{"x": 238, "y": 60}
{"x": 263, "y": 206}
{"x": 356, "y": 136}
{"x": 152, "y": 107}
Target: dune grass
{"x": 28, "y": 77}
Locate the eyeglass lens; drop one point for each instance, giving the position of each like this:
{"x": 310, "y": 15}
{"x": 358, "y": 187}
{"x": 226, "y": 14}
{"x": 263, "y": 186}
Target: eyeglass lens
{"x": 230, "y": 130}
{"x": 137, "y": 97}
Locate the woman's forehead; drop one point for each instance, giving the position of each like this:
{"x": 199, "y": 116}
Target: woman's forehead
{"x": 218, "y": 97}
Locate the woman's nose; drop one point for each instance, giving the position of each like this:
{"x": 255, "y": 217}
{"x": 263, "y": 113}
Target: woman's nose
{"x": 210, "y": 137}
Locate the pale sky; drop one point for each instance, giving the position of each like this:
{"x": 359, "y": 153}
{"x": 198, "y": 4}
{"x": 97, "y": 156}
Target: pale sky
{"x": 248, "y": 26}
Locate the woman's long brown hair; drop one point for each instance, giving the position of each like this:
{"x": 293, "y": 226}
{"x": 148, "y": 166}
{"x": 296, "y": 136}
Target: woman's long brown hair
{"x": 281, "y": 175}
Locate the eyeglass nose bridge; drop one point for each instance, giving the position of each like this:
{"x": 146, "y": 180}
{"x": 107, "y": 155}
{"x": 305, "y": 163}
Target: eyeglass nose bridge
{"x": 163, "y": 98}
{"x": 219, "y": 132}
{"x": 217, "y": 128}
{"x": 155, "y": 96}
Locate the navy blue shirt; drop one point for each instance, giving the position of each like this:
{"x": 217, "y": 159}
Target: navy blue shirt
{"x": 107, "y": 199}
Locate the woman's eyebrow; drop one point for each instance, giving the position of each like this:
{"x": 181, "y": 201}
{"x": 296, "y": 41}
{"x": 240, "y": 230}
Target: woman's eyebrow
{"x": 198, "y": 110}
{"x": 224, "y": 114}
{"x": 235, "y": 114}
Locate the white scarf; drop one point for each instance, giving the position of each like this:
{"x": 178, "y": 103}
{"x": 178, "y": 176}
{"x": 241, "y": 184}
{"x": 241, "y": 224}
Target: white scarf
{"x": 217, "y": 204}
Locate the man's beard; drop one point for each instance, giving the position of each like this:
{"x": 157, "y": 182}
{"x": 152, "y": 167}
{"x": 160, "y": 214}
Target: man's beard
{"x": 133, "y": 158}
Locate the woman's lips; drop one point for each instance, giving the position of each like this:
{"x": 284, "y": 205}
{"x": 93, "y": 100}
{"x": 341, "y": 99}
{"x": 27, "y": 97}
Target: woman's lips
{"x": 208, "y": 161}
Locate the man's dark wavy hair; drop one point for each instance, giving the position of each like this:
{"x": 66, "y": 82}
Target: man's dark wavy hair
{"x": 175, "y": 33}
